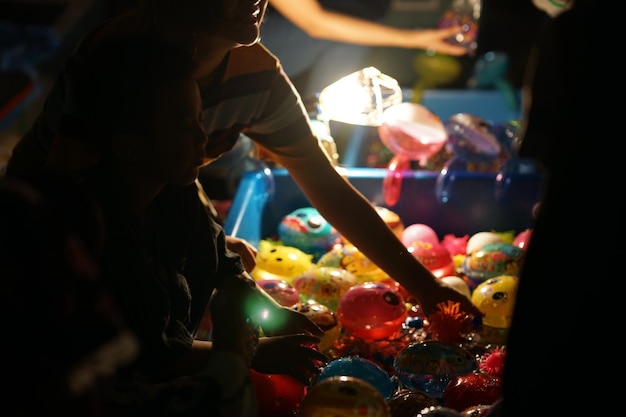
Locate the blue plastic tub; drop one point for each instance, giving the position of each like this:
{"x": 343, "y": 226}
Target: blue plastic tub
{"x": 262, "y": 200}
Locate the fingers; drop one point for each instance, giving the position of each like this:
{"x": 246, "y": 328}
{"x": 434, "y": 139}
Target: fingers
{"x": 244, "y": 249}
{"x": 313, "y": 328}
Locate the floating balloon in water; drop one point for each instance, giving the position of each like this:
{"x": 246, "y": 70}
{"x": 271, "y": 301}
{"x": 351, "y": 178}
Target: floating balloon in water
{"x": 280, "y": 290}
{"x": 275, "y": 261}
{"x": 458, "y": 284}
{"x": 433, "y": 256}
{"x": 325, "y": 318}
{"x": 409, "y": 402}
{"x": 372, "y": 311}
{"x": 350, "y": 258}
{"x": 472, "y": 389}
{"x": 496, "y": 298}
{"x": 412, "y": 133}
{"x": 471, "y": 140}
{"x": 307, "y": 230}
{"x": 343, "y": 396}
{"x": 278, "y": 395}
{"x": 430, "y": 365}
{"x": 418, "y": 232}
{"x": 522, "y": 239}
{"x": 324, "y": 284}
{"x": 480, "y": 239}
{"x": 358, "y": 367}
{"x": 492, "y": 260}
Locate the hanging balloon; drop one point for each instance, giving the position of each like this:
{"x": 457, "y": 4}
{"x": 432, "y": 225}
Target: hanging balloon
{"x": 412, "y": 133}
{"x": 471, "y": 140}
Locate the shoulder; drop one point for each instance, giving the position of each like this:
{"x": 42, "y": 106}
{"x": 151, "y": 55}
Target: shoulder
{"x": 252, "y": 59}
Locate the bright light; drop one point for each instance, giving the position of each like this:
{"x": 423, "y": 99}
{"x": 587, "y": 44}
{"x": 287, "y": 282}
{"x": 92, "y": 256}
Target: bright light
{"x": 359, "y": 98}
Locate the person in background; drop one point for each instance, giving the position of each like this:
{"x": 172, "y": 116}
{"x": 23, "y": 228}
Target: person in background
{"x": 244, "y": 91}
{"x": 579, "y": 215}
{"x": 320, "y": 41}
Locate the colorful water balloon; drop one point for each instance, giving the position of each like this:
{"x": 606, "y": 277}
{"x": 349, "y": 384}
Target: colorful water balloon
{"x": 430, "y": 365}
{"x": 359, "y": 367}
{"x": 372, "y": 311}
{"x": 412, "y": 133}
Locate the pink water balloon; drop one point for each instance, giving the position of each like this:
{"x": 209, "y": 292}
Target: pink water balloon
{"x": 418, "y": 232}
{"x": 372, "y": 311}
{"x": 412, "y": 133}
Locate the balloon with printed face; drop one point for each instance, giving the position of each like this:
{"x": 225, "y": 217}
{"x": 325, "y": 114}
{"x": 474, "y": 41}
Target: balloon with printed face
{"x": 492, "y": 260}
{"x": 324, "y": 284}
{"x": 325, "y": 318}
{"x": 433, "y": 256}
{"x": 280, "y": 290}
{"x": 358, "y": 367}
{"x": 496, "y": 298}
{"x": 372, "y": 311}
{"x": 274, "y": 261}
{"x": 350, "y": 258}
{"x": 343, "y": 396}
{"x": 430, "y": 365}
{"x": 307, "y": 230}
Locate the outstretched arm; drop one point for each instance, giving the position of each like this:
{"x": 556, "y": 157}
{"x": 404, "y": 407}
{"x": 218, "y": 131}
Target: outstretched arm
{"x": 320, "y": 23}
{"x": 348, "y": 210}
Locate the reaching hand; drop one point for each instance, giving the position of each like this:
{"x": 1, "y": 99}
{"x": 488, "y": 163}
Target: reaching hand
{"x": 295, "y": 355}
{"x": 285, "y": 321}
{"x": 441, "y": 292}
{"x": 438, "y": 40}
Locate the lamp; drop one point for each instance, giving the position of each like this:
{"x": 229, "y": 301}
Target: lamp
{"x": 359, "y": 98}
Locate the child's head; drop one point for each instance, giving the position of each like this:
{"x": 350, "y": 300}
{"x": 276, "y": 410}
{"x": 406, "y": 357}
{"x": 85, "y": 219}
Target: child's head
{"x": 142, "y": 107}
{"x": 230, "y": 21}
{"x": 196, "y": 14}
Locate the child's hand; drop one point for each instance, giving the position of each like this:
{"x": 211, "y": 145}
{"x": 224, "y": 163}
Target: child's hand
{"x": 441, "y": 292}
{"x": 285, "y": 321}
{"x": 295, "y": 355}
{"x": 244, "y": 249}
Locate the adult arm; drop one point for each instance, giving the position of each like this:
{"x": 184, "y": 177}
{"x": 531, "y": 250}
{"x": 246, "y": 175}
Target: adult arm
{"x": 320, "y": 23}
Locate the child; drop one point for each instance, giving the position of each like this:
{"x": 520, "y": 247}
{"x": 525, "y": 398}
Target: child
{"x": 244, "y": 91}
{"x": 163, "y": 255}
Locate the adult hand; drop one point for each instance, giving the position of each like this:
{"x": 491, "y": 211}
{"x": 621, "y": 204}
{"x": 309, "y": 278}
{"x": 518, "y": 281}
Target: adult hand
{"x": 437, "y": 40}
{"x": 295, "y": 355}
{"x": 244, "y": 249}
